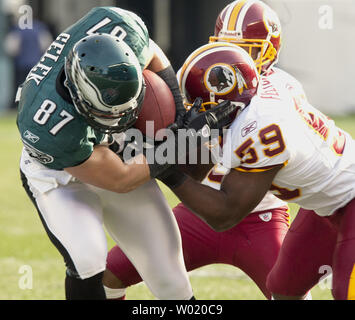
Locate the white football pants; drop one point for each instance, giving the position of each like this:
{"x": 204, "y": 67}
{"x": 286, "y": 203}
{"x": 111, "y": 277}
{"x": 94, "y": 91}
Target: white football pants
{"x": 140, "y": 222}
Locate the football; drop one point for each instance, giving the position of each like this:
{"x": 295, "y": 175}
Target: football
{"x": 158, "y": 105}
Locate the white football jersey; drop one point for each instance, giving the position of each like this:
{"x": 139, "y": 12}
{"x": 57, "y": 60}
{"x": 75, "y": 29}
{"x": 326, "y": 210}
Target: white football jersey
{"x": 214, "y": 179}
{"x": 281, "y": 127}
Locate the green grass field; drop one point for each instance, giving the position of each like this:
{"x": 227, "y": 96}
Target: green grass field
{"x": 26, "y": 253}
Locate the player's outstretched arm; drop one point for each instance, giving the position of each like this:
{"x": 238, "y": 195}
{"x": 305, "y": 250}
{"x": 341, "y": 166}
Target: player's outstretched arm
{"x": 196, "y": 124}
{"x": 222, "y": 209}
{"x": 107, "y": 171}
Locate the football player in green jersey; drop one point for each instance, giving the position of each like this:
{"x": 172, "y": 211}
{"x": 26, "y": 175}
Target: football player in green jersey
{"x": 87, "y": 86}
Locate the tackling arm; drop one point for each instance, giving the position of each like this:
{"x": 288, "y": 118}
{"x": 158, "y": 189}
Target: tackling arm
{"x": 240, "y": 193}
{"x": 105, "y": 170}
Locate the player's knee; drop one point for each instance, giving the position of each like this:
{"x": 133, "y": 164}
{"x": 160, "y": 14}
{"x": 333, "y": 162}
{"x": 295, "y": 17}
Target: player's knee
{"x": 281, "y": 288}
{"x": 274, "y": 288}
{"x": 90, "y": 262}
{"x": 174, "y": 291}
{"x": 274, "y": 284}
{"x": 110, "y": 280}
{"x": 172, "y": 288}
{"x": 269, "y": 283}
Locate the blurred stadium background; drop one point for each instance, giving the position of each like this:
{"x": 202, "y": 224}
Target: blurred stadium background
{"x": 317, "y": 46}
{"x": 317, "y": 49}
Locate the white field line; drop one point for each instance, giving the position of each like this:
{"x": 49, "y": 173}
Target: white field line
{"x": 210, "y": 272}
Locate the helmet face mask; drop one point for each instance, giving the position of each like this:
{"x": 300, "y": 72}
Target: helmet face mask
{"x": 261, "y": 51}
{"x": 105, "y": 82}
{"x": 254, "y": 26}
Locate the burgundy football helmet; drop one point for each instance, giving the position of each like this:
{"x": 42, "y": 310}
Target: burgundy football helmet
{"x": 219, "y": 71}
{"x": 253, "y": 25}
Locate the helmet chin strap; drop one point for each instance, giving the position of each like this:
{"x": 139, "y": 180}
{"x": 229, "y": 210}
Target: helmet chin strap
{"x": 108, "y": 122}
{"x": 266, "y": 43}
{"x": 212, "y": 97}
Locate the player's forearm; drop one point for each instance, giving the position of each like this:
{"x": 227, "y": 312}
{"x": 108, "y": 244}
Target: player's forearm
{"x": 209, "y": 204}
{"x": 137, "y": 172}
{"x": 159, "y": 60}
{"x": 198, "y": 172}
{"x": 239, "y": 194}
{"x": 107, "y": 171}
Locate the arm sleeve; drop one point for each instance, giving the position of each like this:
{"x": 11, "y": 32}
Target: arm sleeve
{"x": 169, "y": 76}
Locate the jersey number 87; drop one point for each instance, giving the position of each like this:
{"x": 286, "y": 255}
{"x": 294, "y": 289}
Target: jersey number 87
{"x": 46, "y": 110}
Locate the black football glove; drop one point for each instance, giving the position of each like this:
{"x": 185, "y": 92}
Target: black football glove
{"x": 200, "y": 124}
{"x": 172, "y": 177}
{"x": 217, "y": 117}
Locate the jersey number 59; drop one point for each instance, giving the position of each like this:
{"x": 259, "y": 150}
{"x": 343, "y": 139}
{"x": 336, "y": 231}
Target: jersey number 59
{"x": 270, "y": 136}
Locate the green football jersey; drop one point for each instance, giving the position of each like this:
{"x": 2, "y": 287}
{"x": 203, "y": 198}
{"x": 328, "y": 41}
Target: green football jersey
{"x": 52, "y": 131}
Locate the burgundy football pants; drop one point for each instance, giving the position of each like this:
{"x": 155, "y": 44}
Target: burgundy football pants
{"x": 311, "y": 243}
{"x": 252, "y": 245}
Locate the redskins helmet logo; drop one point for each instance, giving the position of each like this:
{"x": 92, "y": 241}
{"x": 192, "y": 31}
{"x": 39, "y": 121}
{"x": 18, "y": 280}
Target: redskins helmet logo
{"x": 223, "y": 78}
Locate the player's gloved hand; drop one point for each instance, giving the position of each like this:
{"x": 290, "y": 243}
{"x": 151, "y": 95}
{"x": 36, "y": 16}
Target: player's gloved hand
{"x": 200, "y": 124}
{"x": 175, "y": 126}
{"x": 217, "y": 117}
{"x": 117, "y": 142}
{"x": 132, "y": 147}
{"x": 193, "y": 112}
{"x": 179, "y": 120}
{"x": 172, "y": 177}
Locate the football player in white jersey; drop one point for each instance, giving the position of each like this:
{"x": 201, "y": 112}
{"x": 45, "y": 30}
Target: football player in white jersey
{"x": 280, "y": 142}
{"x": 290, "y": 278}
{"x": 252, "y": 245}
{"x": 283, "y": 144}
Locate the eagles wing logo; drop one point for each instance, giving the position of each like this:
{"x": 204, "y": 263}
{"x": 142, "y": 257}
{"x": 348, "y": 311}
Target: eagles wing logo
{"x": 40, "y": 156}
